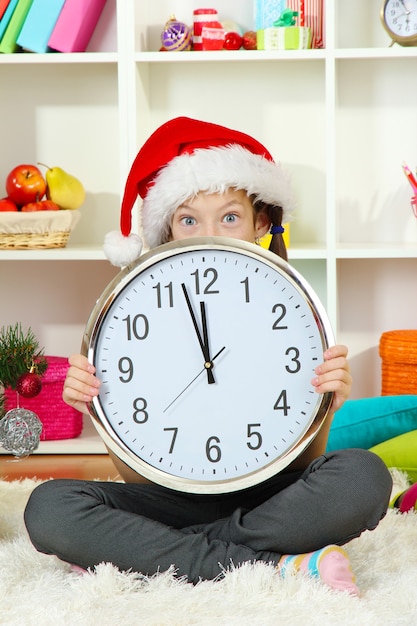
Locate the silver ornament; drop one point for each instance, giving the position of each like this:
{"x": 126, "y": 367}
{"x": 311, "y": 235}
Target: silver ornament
{"x": 20, "y": 431}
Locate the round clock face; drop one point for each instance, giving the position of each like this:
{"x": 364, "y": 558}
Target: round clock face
{"x": 399, "y": 18}
{"x": 206, "y": 349}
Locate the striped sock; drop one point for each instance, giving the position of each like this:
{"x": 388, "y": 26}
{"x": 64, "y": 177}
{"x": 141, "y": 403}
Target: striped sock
{"x": 331, "y": 564}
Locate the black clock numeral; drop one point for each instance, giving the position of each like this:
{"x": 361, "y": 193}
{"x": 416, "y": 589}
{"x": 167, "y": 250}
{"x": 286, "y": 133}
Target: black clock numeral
{"x": 245, "y": 283}
{"x": 137, "y": 328}
{"x": 282, "y": 313}
{"x": 140, "y": 415}
{"x": 211, "y": 274}
{"x": 282, "y": 404}
{"x": 213, "y": 451}
{"x": 296, "y": 365}
{"x": 256, "y": 443}
{"x": 160, "y": 295}
{"x": 126, "y": 368}
{"x": 174, "y": 437}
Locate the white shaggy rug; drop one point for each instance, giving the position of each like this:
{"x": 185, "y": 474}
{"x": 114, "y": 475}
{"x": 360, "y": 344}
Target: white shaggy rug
{"x": 41, "y": 590}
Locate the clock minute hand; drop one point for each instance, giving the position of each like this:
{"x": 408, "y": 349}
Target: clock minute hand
{"x": 208, "y": 363}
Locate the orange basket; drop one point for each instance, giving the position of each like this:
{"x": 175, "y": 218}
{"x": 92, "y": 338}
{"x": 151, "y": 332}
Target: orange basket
{"x": 398, "y": 351}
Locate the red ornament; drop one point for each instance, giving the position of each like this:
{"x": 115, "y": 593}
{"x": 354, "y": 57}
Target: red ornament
{"x": 249, "y": 40}
{"x": 232, "y": 41}
{"x": 29, "y": 385}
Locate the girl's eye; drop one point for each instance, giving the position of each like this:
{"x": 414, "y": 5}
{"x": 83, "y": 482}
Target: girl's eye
{"x": 188, "y": 221}
{"x": 230, "y": 217}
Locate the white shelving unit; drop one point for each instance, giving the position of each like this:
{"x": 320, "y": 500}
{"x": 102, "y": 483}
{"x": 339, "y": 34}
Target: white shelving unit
{"x": 340, "y": 119}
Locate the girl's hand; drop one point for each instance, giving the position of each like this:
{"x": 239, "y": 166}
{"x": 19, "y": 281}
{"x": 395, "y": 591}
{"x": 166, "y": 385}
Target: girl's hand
{"x": 334, "y": 375}
{"x": 81, "y": 384}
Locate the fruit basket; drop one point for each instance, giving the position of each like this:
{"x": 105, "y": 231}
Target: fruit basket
{"x": 37, "y": 229}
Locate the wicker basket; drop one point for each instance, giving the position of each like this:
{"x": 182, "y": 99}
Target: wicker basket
{"x": 36, "y": 230}
{"x": 59, "y": 420}
{"x": 398, "y": 351}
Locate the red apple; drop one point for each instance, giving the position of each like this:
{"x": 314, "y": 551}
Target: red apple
{"x": 7, "y": 205}
{"x": 249, "y": 40}
{"x": 41, "y": 205}
{"x": 24, "y": 184}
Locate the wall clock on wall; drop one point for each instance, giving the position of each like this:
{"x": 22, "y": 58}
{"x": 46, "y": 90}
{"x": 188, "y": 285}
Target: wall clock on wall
{"x": 206, "y": 349}
{"x": 399, "y": 18}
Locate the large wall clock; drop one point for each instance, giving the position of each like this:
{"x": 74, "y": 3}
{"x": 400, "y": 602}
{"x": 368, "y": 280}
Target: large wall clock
{"x": 206, "y": 349}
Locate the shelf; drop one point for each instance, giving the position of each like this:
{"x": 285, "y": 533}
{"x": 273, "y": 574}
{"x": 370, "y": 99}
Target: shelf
{"x": 57, "y": 58}
{"x": 70, "y": 253}
{"x": 88, "y": 442}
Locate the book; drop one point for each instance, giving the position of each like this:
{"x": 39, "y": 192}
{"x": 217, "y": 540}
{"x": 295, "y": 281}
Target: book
{"x": 3, "y": 7}
{"x": 75, "y": 25}
{"x": 39, "y": 24}
{"x": 8, "y": 42}
{"x": 4, "y": 21}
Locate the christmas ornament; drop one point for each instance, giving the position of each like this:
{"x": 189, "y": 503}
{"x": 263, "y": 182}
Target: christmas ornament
{"x": 176, "y": 36}
{"x": 20, "y": 432}
{"x": 29, "y": 385}
{"x": 232, "y": 41}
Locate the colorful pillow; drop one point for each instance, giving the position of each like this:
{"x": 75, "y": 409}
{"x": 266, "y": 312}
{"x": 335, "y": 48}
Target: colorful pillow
{"x": 400, "y": 452}
{"x": 369, "y": 421}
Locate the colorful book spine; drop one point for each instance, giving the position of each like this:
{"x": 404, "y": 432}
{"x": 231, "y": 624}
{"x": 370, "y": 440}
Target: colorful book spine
{"x": 7, "y": 15}
{"x": 39, "y": 24}
{"x": 8, "y": 42}
{"x": 3, "y": 7}
{"x": 75, "y": 25}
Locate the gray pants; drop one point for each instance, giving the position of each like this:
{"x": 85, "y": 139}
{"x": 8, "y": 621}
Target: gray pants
{"x": 147, "y": 528}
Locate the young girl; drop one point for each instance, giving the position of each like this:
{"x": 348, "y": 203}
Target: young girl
{"x": 200, "y": 179}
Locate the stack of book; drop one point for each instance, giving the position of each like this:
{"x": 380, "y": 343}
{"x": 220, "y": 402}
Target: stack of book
{"x": 48, "y": 25}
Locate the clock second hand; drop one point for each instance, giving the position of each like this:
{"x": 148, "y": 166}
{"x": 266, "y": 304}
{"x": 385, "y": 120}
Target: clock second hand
{"x": 206, "y": 366}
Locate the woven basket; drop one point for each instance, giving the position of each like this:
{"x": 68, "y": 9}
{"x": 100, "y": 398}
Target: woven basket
{"x": 398, "y": 351}
{"x": 37, "y": 229}
{"x": 59, "y": 420}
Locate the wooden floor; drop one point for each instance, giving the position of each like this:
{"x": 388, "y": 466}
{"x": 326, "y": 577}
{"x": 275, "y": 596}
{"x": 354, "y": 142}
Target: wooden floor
{"x": 43, "y": 466}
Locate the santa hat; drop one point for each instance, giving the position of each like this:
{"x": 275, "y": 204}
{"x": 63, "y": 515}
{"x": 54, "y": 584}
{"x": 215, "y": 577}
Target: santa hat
{"x": 181, "y": 158}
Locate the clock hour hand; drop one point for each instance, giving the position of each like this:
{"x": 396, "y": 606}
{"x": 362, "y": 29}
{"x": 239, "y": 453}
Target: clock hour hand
{"x": 191, "y": 382}
{"x": 203, "y": 341}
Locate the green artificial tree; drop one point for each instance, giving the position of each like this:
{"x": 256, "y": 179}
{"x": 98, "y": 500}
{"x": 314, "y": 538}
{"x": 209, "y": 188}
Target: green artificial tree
{"x": 22, "y": 362}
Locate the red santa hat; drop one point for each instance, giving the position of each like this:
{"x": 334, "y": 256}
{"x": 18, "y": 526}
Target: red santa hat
{"x": 181, "y": 158}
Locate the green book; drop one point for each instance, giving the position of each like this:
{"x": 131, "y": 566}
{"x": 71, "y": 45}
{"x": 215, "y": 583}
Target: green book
{"x": 8, "y": 42}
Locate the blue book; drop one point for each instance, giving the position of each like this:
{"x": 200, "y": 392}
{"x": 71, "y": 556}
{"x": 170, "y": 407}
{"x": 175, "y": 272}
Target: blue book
{"x": 4, "y": 22}
{"x": 39, "y": 24}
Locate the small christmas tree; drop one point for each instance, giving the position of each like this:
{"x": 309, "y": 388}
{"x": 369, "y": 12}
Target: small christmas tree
{"x": 21, "y": 362}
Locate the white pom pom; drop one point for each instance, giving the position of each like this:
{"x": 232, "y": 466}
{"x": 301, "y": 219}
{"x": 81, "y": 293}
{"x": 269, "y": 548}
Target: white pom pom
{"x": 121, "y": 250}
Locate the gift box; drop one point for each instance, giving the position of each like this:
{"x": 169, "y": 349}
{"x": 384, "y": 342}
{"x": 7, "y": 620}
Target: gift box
{"x": 398, "y": 351}
{"x": 266, "y": 12}
{"x": 284, "y": 38}
{"x": 59, "y": 421}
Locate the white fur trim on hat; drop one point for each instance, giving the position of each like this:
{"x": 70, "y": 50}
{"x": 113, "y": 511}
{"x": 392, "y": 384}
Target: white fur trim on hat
{"x": 120, "y": 250}
{"x": 212, "y": 170}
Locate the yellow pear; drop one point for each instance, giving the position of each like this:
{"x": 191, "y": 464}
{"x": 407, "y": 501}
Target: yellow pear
{"x": 64, "y": 189}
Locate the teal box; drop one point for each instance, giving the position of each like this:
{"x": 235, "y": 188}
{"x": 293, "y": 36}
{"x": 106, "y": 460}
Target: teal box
{"x": 39, "y": 24}
{"x": 266, "y": 12}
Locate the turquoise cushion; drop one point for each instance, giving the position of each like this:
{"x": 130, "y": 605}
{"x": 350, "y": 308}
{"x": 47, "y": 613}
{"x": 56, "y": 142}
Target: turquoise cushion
{"x": 367, "y": 422}
{"x": 400, "y": 452}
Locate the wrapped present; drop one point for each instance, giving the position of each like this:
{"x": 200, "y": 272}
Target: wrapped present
{"x": 310, "y": 15}
{"x": 266, "y": 12}
{"x": 284, "y": 38}
{"x": 59, "y": 421}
